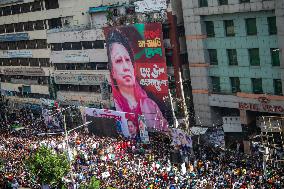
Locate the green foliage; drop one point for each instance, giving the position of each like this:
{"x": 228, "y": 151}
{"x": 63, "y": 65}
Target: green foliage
{"x": 49, "y": 167}
{"x": 94, "y": 183}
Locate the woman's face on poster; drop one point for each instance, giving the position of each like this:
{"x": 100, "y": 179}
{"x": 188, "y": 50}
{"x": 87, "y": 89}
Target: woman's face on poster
{"x": 132, "y": 129}
{"x": 122, "y": 68}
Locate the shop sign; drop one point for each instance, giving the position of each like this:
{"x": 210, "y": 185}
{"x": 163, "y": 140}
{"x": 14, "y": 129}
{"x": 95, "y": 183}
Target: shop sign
{"x": 264, "y": 106}
{"x": 24, "y": 71}
{"x": 17, "y": 54}
{"x": 4, "y": 2}
{"x": 150, "y": 6}
{"x": 232, "y": 125}
{"x": 79, "y": 79}
{"x": 77, "y": 57}
{"x": 14, "y": 37}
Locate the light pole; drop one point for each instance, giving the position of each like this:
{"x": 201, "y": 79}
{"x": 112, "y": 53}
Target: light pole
{"x": 67, "y": 143}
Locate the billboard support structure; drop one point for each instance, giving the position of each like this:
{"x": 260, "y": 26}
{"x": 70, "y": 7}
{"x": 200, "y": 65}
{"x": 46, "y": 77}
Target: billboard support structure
{"x": 177, "y": 66}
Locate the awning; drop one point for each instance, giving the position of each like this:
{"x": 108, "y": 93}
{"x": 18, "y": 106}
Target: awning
{"x": 98, "y": 9}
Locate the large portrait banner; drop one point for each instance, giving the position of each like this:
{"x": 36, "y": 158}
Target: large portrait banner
{"x": 138, "y": 72}
{"x": 125, "y": 122}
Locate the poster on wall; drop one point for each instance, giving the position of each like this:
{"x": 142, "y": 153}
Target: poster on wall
{"x": 138, "y": 72}
{"x": 124, "y": 121}
{"x": 144, "y": 137}
{"x": 180, "y": 138}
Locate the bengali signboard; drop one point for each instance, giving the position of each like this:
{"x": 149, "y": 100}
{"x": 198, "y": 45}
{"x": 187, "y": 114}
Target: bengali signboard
{"x": 79, "y": 79}
{"x": 232, "y": 124}
{"x": 4, "y": 2}
{"x": 77, "y": 57}
{"x": 150, "y": 6}
{"x": 17, "y": 54}
{"x": 138, "y": 72}
{"x": 14, "y": 37}
{"x": 24, "y": 71}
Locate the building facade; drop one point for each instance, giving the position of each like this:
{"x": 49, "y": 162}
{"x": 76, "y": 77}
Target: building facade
{"x": 56, "y": 49}
{"x": 235, "y": 53}
{"x": 26, "y": 69}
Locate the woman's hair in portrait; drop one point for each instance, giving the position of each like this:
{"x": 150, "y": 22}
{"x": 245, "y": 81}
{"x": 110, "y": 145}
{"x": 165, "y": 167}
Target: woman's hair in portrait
{"x": 116, "y": 36}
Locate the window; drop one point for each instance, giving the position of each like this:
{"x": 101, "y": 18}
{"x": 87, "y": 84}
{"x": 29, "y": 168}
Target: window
{"x": 210, "y": 28}
{"x": 34, "y": 62}
{"x": 31, "y": 44}
{"x": 232, "y": 57}
{"x": 16, "y": 9}
{"x": 251, "y": 26}
{"x": 213, "y": 56}
{"x": 44, "y": 62}
{"x": 67, "y": 46}
{"x": 21, "y": 44}
{"x": 275, "y": 59}
{"x": 277, "y": 86}
{"x": 99, "y": 44}
{"x": 272, "y": 28}
{"x": 56, "y": 46}
{"x": 51, "y": 4}
{"x": 203, "y": 3}
{"x": 223, "y": 2}
{"x": 6, "y": 62}
{"x": 19, "y": 27}
{"x": 6, "y": 11}
{"x": 14, "y": 62}
{"x": 215, "y": 84}
{"x": 54, "y": 23}
{"x": 254, "y": 57}
{"x": 23, "y": 62}
{"x": 39, "y": 25}
{"x": 9, "y": 28}
{"x": 36, "y": 6}
{"x": 87, "y": 44}
{"x": 76, "y": 46}
{"x": 12, "y": 46}
{"x": 229, "y": 27}
{"x": 2, "y": 29}
{"x": 235, "y": 84}
{"x": 26, "y": 7}
{"x": 28, "y": 26}
{"x": 256, "y": 85}
{"x": 3, "y": 46}
{"x": 244, "y": 1}
{"x": 41, "y": 44}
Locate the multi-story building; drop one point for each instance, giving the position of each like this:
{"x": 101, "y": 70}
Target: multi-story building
{"x": 79, "y": 55}
{"x": 26, "y": 68}
{"x": 56, "y": 48}
{"x": 235, "y": 53}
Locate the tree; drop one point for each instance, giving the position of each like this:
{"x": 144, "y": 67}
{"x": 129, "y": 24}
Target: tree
{"x": 48, "y": 166}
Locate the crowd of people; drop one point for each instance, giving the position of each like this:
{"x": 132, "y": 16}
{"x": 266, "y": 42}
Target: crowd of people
{"x": 127, "y": 164}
